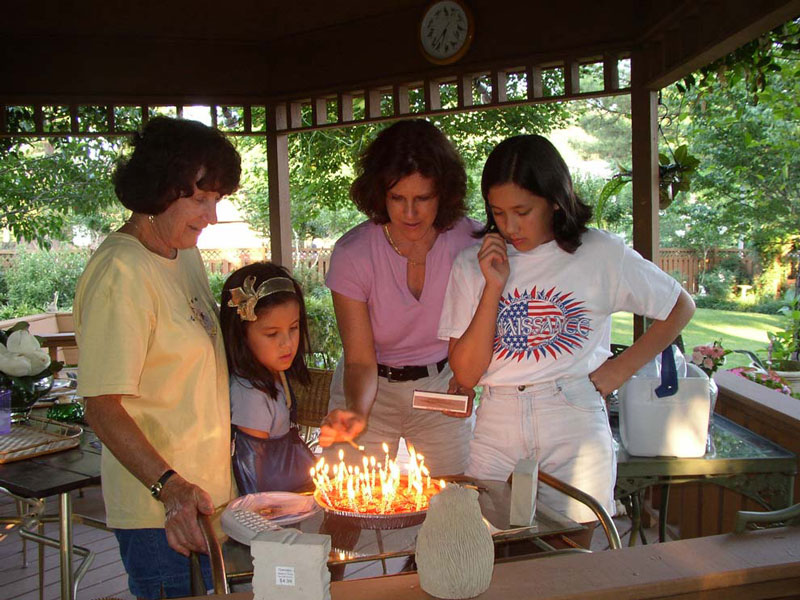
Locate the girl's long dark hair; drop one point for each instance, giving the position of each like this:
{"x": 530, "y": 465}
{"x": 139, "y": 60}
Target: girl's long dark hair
{"x": 533, "y": 163}
{"x": 241, "y": 361}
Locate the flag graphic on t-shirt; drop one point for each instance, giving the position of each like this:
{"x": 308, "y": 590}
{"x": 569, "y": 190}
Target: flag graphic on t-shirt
{"x": 540, "y": 324}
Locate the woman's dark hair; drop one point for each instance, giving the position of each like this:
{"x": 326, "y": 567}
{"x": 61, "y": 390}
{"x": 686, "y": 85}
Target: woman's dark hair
{"x": 533, "y": 163}
{"x": 241, "y": 361}
{"x": 167, "y": 155}
{"x": 405, "y": 148}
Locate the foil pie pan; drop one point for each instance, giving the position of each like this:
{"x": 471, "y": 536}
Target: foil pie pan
{"x": 373, "y": 521}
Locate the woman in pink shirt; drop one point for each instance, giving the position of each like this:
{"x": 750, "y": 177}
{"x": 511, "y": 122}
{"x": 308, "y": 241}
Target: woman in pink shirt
{"x": 388, "y": 277}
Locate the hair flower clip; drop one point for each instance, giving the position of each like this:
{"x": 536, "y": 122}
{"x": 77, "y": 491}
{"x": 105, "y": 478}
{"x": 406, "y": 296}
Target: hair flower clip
{"x": 245, "y": 298}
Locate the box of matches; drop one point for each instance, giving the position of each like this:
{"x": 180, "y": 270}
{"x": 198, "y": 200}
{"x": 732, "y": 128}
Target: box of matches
{"x": 426, "y": 400}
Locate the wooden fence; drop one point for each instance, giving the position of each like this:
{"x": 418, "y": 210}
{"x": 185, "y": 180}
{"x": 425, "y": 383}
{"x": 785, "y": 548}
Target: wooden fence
{"x": 225, "y": 261}
{"x": 686, "y": 264}
{"x": 683, "y": 263}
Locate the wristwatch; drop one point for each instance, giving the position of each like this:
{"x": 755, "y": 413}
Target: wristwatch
{"x": 155, "y": 489}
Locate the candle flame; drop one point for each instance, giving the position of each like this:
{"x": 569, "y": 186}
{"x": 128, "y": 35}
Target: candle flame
{"x": 375, "y": 487}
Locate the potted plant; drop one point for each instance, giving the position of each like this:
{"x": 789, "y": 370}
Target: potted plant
{"x": 25, "y": 368}
{"x": 782, "y": 353}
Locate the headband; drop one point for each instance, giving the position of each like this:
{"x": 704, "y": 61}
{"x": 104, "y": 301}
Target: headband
{"x": 245, "y": 298}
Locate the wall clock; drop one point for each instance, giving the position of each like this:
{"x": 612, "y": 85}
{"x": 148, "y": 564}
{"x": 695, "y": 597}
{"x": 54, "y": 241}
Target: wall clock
{"x": 445, "y": 31}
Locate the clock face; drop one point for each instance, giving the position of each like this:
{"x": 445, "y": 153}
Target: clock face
{"x": 446, "y": 31}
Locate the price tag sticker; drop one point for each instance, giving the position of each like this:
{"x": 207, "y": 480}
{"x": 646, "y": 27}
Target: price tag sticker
{"x": 284, "y": 576}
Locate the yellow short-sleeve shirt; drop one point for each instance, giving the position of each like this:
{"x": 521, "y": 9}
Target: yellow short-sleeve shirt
{"x": 147, "y": 329}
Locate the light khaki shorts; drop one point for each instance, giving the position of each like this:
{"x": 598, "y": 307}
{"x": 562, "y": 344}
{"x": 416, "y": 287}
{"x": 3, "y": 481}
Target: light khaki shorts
{"x": 442, "y": 440}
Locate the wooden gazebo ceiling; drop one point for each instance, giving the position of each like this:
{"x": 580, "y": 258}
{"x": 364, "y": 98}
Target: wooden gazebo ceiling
{"x": 262, "y": 51}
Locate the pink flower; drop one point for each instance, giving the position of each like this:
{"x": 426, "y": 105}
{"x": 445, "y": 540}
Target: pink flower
{"x": 708, "y": 362}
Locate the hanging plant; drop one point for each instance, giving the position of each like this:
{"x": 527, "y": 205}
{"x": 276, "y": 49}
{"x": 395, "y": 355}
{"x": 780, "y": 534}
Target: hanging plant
{"x": 674, "y": 176}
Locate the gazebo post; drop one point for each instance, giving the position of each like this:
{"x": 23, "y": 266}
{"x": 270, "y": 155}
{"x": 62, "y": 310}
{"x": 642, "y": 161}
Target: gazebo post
{"x": 644, "y": 151}
{"x": 280, "y": 218}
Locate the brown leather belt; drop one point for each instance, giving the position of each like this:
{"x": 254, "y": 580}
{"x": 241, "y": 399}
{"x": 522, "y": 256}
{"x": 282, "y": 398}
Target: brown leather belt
{"x": 409, "y": 373}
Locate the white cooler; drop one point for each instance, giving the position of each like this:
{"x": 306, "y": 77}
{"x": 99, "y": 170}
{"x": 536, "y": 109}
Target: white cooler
{"x": 671, "y": 426}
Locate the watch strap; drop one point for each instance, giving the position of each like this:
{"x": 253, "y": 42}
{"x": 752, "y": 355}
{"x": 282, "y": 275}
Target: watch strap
{"x": 155, "y": 489}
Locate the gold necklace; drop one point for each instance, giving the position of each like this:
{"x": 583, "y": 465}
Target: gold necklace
{"x": 142, "y": 237}
{"x": 396, "y": 249}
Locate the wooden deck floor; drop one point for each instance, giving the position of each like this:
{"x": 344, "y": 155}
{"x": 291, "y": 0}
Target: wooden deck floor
{"x": 105, "y": 579}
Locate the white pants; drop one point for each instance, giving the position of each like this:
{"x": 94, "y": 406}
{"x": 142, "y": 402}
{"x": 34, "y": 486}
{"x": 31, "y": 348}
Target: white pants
{"x": 564, "y": 423}
{"x": 442, "y": 440}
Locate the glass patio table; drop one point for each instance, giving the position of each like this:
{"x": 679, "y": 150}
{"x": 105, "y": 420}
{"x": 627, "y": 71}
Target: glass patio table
{"x": 736, "y": 458}
{"x": 351, "y": 544}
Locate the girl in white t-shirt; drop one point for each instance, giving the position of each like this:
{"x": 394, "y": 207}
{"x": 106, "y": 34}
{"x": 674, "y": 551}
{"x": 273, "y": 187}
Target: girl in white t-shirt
{"x": 264, "y": 327}
{"x": 528, "y": 316}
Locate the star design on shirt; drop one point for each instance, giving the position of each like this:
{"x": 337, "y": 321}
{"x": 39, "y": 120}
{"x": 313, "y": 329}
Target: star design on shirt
{"x": 540, "y": 324}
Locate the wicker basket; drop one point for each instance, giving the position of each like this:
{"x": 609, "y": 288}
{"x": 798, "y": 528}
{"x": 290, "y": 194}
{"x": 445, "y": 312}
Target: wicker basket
{"x": 312, "y": 399}
{"x": 37, "y": 436}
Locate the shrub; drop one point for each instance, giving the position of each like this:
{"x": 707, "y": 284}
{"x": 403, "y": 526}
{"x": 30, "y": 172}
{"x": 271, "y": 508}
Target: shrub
{"x": 311, "y": 282}
{"x": 215, "y": 282}
{"x": 767, "y": 306}
{"x": 719, "y": 281}
{"x": 708, "y": 301}
{"x": 3, "y": 287}
{"x": 325, "y": 343}
{"x": 35, "y": 277}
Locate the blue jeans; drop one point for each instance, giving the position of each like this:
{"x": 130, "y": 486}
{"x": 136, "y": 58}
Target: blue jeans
{"x": 154, "y": 569}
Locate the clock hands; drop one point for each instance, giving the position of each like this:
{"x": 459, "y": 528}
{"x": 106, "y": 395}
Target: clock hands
{"x": 438, "y": 41}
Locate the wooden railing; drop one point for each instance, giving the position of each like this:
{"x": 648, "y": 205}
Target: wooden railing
{"x": 701, "y": 509}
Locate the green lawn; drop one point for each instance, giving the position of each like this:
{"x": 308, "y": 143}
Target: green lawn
{"x": 736, "y": 330}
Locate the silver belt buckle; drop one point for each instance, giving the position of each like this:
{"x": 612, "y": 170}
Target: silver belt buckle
{"x": 389, "y": 377}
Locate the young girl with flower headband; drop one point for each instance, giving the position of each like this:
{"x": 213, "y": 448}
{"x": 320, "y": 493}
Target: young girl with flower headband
{"x": 265, "y": 330}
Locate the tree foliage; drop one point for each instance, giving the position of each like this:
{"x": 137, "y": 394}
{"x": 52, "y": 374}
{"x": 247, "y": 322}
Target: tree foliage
{"x": 750, "y": 65}
{"x": 322, "y": 164}
{"x": 749, "y": 179}
{"x": 48, "y": 185}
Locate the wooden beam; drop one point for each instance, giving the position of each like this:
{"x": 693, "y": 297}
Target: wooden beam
{"x": 280, "y": 217}
{"x": 73, "y": 118}
{"x": 372, "y": 104}
{"x": 465, "y": 91}
{"x": 610, "y": 72}
{"x": 719, "y": 38}
{"x": 433, "y": 100}
{"x": 572, "y": 77}
{"x": 295, "y": 115}
{"x": 280, "y": 113}
{"x": 533, "y": 75}
{"x": 644, "y": 152}
{"x": 248, "y": 119}
{"x": 38, "y": 119}
{"x": 499, "y": 84}
{"x": 345, "y": 107}
{"x": 400, "y": 102}
{"x": 112, "y": 125}
{"x": 319, "y": 111}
